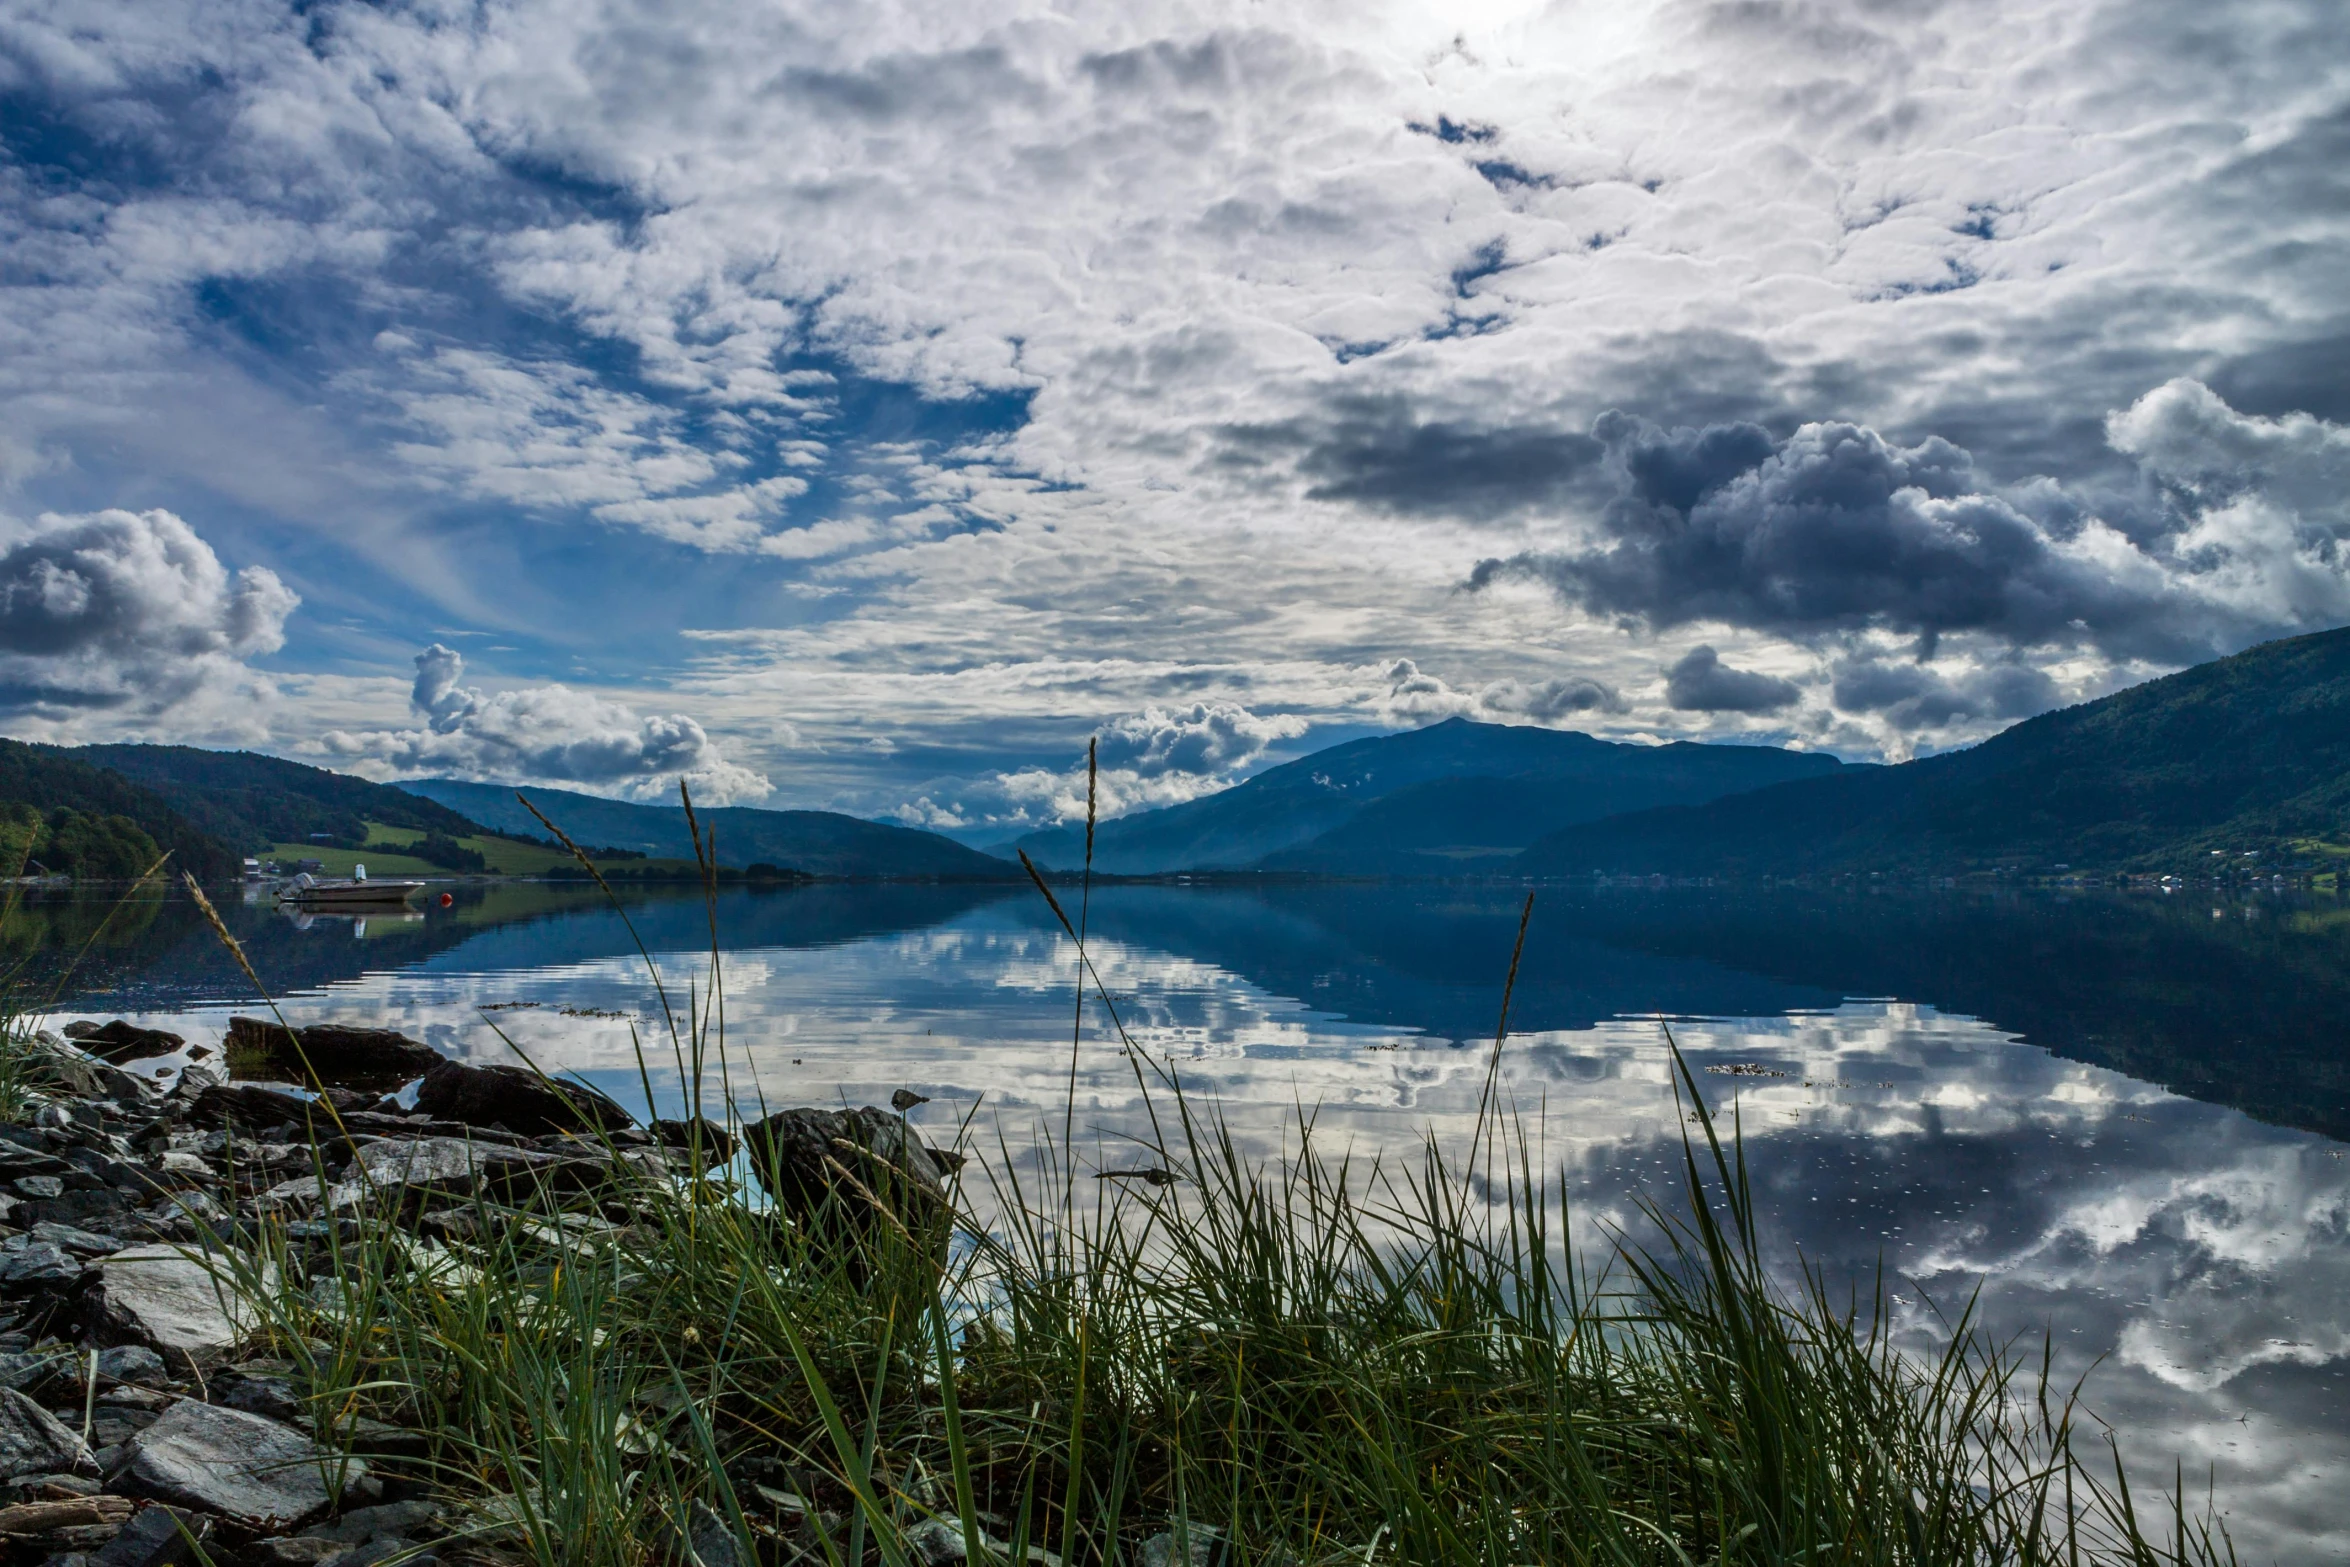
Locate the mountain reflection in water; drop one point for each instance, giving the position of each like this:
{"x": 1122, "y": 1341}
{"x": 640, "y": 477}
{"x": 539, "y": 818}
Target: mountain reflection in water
{"x": 2033, "y": 1093}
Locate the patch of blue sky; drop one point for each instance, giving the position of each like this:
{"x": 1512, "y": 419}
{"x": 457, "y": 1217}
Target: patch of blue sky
{"x": 59, "y": 151}
{"x": 425, "y": 550}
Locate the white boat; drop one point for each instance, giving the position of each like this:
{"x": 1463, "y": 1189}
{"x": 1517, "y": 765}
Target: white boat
{"x": 355, "y": 891}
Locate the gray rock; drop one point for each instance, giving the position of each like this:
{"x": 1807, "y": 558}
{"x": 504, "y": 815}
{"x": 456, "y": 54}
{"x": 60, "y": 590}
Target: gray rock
{"x": 934, "y": 1542}
{"x": 274, "y": 1397}
{"x": 130, "y": 1365}
{"x": 444, "y": 1165}
{"x": 1202, "y": 1546}
{"x": 111, "y": 1425}
{"x": 38, "y": 1186}
{"x": 437, "y": 1163}
{"x": 16, "y": 1159}
{"x": 37, "y": 1262}
{"x": 48, "y": 1487}
{"x": 418, "y": 1520}
{"x": 710, "y": 1540}
{"x": 157, "y": 1537}
{"x": 299, "y": 1550}
{"x": 30, "y": 1370}
{"x": 253, "y": 1472}
{"x": 78, "y": 1207}
{"x": 175, "y": 1302}
{"x": 386, "y": 1551}
{"x": 937, "y": 1542}
{"x": 80, "y": 1242}
{"x": 84, "y": 1073}
{"x": 33, "y": 1441}
{"x": 195, "y": 1078}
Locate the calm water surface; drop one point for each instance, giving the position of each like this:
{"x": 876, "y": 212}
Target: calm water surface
{"x": 2122, "y": 1118}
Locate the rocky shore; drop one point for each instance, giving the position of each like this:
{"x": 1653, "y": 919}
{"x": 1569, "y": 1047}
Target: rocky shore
{"x": 149, "y": 1414}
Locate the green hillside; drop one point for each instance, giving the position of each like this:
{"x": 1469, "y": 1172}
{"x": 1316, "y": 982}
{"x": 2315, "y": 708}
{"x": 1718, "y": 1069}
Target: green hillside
{"x": 391, "y": 851}
{"x": 92, "y": 823}
{"x": 255, "y": 802}
{"x": 2247, "y": 753}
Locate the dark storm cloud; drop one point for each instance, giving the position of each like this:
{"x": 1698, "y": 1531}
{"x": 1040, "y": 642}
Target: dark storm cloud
{"x": 1837, "y": 529}
{"x": 1381, "y": 453}
{"x": 1702, "y": 683}
{"x": 1549, "y": 701}
{"x": 1916, "y": 696}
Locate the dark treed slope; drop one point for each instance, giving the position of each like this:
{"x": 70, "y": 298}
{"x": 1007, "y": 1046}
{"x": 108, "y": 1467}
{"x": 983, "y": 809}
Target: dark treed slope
{"x": 50, "y": 780}
{"x": 252, "y": 801}
{"x": 2227, "y": 755}
{"x": 822, "y": 843}
{"x": 1476, "y": 823}
{"x": 1425, "y": 801}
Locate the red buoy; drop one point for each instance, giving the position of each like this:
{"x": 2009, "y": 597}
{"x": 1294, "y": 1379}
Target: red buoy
{"x": 448, "y": 899}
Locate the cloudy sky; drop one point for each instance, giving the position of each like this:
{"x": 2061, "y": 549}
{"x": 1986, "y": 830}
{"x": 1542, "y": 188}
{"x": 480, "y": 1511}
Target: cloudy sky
{"x": 861, "y": 405}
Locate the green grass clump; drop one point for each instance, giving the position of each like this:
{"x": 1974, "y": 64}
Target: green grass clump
{"x": 1319, "y": 1364}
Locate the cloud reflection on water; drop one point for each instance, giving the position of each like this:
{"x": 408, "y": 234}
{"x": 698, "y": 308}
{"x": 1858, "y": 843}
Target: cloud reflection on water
{"x": 2198, "y": 1259}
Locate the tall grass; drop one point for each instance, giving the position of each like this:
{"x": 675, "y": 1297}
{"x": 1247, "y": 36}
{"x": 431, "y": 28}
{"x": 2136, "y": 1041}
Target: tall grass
{"x": 1301, "y": 1360}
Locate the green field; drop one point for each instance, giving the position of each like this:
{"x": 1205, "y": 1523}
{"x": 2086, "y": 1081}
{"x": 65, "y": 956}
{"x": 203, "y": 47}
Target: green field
{"x": 504, "y": 857}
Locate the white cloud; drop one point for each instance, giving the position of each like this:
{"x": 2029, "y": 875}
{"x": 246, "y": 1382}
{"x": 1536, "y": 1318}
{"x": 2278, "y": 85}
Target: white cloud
{"x": 1152, "y": 758}
{"x": 128, "y": 617}
{"x": 1207, "y": 737}
{"x": 1415, "y": 696}
{"x": 545, "y": 734}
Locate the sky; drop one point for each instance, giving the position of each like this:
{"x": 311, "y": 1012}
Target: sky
{"x": 863, "y": 406}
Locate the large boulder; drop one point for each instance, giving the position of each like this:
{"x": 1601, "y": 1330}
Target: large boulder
{"x": 175, "y": 1301}
{"x": 123, "y": 1041}
{"x": 518, "y": 1100}
{"x": 333, "y": 1052}
{"x": 252, "y": 1471}
{"x": 842, "y": 1173}
{"x": 83, "y": 1073}
{"x": 250, "y": 1107}
{"x": 715, "y": 1144}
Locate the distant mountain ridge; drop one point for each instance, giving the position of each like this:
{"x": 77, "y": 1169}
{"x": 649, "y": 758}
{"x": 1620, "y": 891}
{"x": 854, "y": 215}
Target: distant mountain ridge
{"x": 212, "y": 807}
{"x": 1454, "y": 796}
{"x": 2245, "y": 750}
{"x": 822, "y": 843}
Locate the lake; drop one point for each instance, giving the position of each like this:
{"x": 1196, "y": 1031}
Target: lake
{"x": 2121, "y": 1117}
